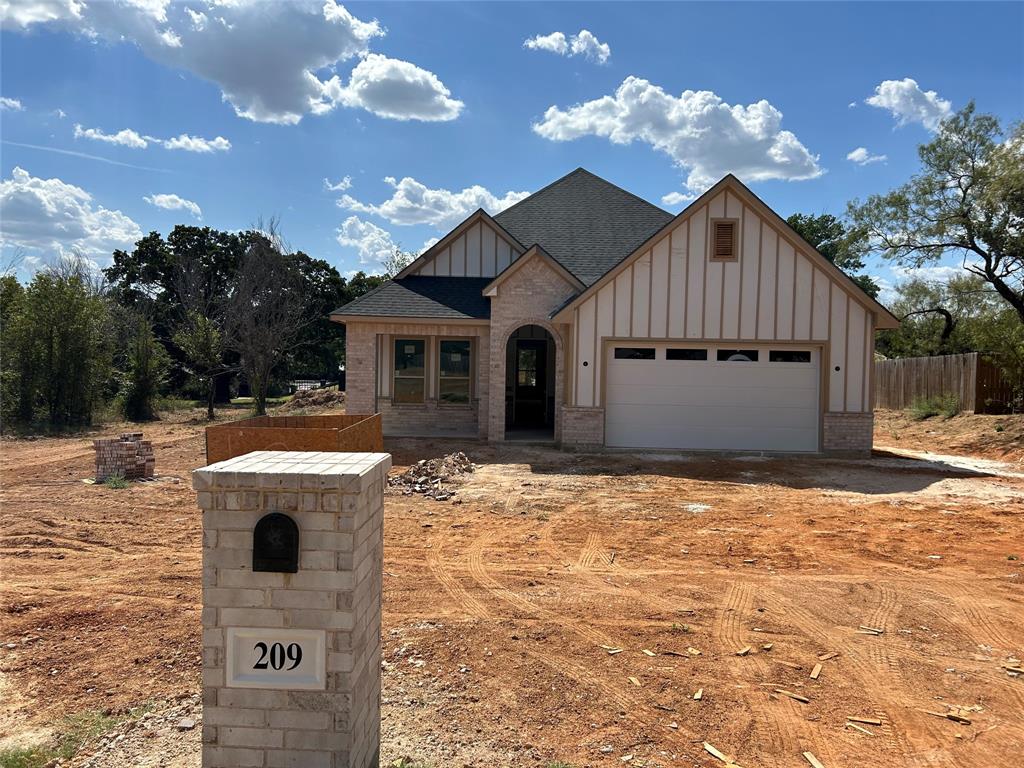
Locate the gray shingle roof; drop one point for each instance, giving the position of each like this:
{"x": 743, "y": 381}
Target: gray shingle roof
{"x": 457, "y": 298}
{"x": 588, "y": 224}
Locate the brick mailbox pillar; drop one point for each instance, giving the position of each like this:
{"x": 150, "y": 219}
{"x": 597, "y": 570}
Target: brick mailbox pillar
{"x": 292, "y": 569}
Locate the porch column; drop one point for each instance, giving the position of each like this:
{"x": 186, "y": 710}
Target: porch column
{"x": 360, "y": 368}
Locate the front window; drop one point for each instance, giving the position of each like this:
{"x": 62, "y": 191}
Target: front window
{"x": 410, "y": 371}
{"x": 526, "y": 371}
{"x": 454, "y": 371}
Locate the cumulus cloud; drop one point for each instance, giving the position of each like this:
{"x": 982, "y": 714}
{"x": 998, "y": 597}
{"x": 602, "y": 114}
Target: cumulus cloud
{"x": 861, "y": 156}
{"x": 129, "y": 138}
{"x": 10, "y": 105}
{"x": 267, "y": 58}
{"x": 698, "y": 130}
{"x": 372, "y": 243}
{"x": 52, "y": 215}
{"x": 392, "y": 88}
{"x": 673, "y": 199}
{"x": 412, "y": 202}
{"x": 341, "y": 186}
{"x": 584, "y": 43}
{"x": 909, "y": 104}
{"x": 172, "y": 202}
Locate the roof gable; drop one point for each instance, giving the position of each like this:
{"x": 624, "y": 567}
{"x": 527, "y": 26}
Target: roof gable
{"x": 491, "y": 289}
{"x": 586, "y": 223}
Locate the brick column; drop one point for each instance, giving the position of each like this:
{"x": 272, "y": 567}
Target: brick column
{"x": 360, "y": 368}
{"x": 330, "y": 608}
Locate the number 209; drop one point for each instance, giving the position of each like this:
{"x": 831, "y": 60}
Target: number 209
{"x": 275, "y": 655}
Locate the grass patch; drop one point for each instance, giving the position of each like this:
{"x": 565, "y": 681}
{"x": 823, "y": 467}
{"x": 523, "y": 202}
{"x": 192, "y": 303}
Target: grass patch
{"x": 117, "y": 482}
{"x": 75, "y": 732}
{"x": 947, "y": 406}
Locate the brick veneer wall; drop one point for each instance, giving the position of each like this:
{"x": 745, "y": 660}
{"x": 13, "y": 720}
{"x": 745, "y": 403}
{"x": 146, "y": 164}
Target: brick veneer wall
{"x": 848, "y": 434}
{"x": 336, "y": 499}
{"x": 429, "y": 418}
{"x": 360, "y": 368}
{"x": 526, "y": 297}
{"x": 582, "y": 428}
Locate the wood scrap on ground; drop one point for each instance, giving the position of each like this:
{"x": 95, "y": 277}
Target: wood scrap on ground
{"x": 810, "y": 758}
{"x": 743, "y": 651}
{"x": 860, "y": 728}
{"x": 699, "y": 694}
{"x": 634, "y": 681}
{"x": 949, "y": 716}
{"x": 790, "y": 664}
{"x": 827, "y": 656}
{"x": 720, "y": 755}
{"x": 648, "y": 653}
{"x": 866, "y": 630}
{"x": 794, "y": 696}
{"x": 816, "y": 671}
{"x": 865, "y": 720}
{"x": 767, "y": 646}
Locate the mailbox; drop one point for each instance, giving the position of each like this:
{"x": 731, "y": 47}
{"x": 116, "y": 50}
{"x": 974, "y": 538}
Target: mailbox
{"x": 275, "y": 544}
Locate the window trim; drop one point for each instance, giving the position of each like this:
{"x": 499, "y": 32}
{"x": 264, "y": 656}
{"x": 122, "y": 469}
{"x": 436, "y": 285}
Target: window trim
{"x": 394, "y": 370}
{"x": 471, "y": 376}
{"x": 735, "y": 239}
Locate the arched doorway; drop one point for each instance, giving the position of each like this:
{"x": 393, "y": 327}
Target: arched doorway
{"x": 530, "y": 384}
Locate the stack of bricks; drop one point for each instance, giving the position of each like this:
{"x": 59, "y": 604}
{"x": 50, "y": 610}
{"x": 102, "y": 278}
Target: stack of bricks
{"x": 337, "y": 501}
{"x": 129, "y": 456}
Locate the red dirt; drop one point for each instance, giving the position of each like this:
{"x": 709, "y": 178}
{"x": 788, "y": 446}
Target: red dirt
{"x": 497, "y": 604}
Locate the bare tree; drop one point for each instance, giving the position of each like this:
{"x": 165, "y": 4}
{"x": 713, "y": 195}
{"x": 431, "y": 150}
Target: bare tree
{"x": 264, "y": 316}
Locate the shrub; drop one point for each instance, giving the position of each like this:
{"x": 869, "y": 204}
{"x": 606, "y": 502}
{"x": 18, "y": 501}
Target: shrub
{"x": 947, "y": 406}
{"x": 116, "y": 481}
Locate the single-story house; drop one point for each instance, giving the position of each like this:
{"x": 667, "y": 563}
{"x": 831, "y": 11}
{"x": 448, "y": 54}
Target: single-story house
{"x": 589, "y": 317}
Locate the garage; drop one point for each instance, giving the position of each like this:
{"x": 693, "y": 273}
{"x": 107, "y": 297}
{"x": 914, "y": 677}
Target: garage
{"x": 731, "y": 397}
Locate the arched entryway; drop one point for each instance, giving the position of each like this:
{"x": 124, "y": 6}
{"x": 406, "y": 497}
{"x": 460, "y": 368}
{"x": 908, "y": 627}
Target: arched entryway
{"x": 530, "y": 384}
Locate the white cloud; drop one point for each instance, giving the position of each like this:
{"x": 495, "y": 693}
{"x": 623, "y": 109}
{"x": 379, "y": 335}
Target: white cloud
{"x": 429, "y": 243}
{"x": 391, "y": 88}
{"x": 60, "y": 114}
{"x": 585, "y": 43}
{"x": 124, "y": 138}
{"x": 341, "y": 186}
{"x": 372, "y": 243}
{"x": 267, "y": 58}
{"x": 414, "y": 203}
{"x": 172, "y": 202}
{"x": 52, "y": 215}
{"x": 852, "y": 105}
{"x": 129, "y": 138}
{"x": 11, "y": 105}
{"x": 909, "y": 104}
{"x": 197, "y": 143}
{"x": 861, "y": 156}
{"x": 677, "y": 198}
{"x": 698, "y": 130}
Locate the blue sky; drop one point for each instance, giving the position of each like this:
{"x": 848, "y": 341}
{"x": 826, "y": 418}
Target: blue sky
{"x": 448, "y": 103}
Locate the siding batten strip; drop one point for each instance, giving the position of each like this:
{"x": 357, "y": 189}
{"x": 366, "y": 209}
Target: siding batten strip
{"x": 743, "y": 240}
{"x": 576, "y": 344}
{"x": 760, "y": 260}
{"x": 668, "y": 289}
{"x": 706, "y": 263}
{"x": 686, "y": 280}
{"x": 846, "y": 357}
{"x": 650, "y": 291}
{"x": 775, "y": 308}
{"x": 721, "y": 292}
{"x": 792, "y": 318}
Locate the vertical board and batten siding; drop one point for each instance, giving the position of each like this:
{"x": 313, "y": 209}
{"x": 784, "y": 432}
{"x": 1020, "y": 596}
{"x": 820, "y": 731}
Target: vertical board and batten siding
{"x": 772, "y": 292}
{"x": 480, "y": 251}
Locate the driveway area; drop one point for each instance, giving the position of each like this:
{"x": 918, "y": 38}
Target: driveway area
{"x": 565, "y": 607}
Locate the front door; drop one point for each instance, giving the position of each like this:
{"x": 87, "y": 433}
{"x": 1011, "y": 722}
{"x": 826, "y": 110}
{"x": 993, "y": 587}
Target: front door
{"x": 530, "y": 402}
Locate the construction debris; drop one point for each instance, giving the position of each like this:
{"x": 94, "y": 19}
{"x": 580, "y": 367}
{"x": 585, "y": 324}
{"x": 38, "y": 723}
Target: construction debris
{"x": 634, "y": 681}
{"x": 794, "y": 696}
{"x": 859, "y": 728}
{"x": 720, "y": 755}
{"x": 743, "y": 651}
{"x": 865, "y": 720}
{"x": 129, "y": 457}
{"x": 816, "y": 671}
{"x": 767, "y": 646}
{"x": 699, "y": 694}
{"x": 315, "y": 398}
{"x": 810, "y": 758}
{"x": 648, "y": 653}
{"x": 789, "y": 664}
{"x": 827, "y": 656}
{"x": 864, "y": 630}
{"x": 949, "y": 716}
{"x": 427, "y": 476}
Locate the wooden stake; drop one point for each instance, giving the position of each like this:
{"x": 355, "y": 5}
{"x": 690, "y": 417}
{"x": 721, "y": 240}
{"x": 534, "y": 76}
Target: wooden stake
{"x": 875, "y": 630}
{"x": 810, "y": 758}
{"x": 859, "y": 728}
{"x": 816, "y": 671}
{"x": 794, "y": 696}
{"x": 865, "y": 720}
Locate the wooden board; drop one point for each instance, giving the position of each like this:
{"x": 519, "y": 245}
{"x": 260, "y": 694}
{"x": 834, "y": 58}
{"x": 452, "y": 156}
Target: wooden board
{"x": 330, "y": 432}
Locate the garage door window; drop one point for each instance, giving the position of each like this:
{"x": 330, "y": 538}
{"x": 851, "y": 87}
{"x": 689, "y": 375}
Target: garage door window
{"x": 686, "y": 354}
{"x": 789, "y": 356}
{"x": 634, "y": 353}
{"x": 737, "y": 355}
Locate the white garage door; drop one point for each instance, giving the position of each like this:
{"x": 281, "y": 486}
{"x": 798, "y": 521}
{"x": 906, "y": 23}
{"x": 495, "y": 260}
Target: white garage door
{"x": 689, "y": 396}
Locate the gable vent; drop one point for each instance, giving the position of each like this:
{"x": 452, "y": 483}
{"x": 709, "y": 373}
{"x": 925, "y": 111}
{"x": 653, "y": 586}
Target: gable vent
{"x": 724, "y": 239}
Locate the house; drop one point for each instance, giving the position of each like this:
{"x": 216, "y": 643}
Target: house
{"x": 587, "y": 316}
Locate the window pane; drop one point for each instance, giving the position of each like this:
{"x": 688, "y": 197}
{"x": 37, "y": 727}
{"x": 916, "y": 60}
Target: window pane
{"x": 408, "y": 390}
{"x": 409, "y": 357}
{"x": 454, "y": 391}
{"x": 454, "y": 358}
{"x": 686, "y": 354}
{"x": 737, "y": 355}
{"x": 634, "y": 353}
{"x": 527, "y": 378}
{"x": 789, "y": 356}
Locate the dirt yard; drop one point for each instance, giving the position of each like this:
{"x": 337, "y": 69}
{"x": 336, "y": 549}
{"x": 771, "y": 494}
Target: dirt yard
{"x": 505, "y": 605}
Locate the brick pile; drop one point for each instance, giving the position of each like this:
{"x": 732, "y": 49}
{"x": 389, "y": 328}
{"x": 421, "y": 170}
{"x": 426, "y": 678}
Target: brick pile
{"x": 129, "y": 456}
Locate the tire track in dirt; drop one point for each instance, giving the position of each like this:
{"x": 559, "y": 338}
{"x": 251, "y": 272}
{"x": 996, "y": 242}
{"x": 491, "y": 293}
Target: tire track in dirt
{"x": 443, "y": 573}
{"x": 978, "y": 619}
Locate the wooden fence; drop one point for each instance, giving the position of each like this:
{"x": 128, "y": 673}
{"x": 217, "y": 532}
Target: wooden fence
{"x": 980, "y": 386}
{"x": 331, "y": 432}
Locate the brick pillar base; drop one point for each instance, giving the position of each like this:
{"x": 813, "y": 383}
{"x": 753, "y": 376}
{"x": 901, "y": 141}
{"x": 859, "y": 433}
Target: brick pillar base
{"x": 848, "y": 434}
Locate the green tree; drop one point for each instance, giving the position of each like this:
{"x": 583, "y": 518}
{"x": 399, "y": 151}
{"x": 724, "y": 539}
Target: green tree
{"x": 844, "y": 246}
{"x": 967, "y": 200}
{"x": 57, "y": 349}
{"x": 146, "y": 371}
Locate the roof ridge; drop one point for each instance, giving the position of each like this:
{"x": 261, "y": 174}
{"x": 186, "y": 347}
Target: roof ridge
{"x": 625, "y": 191}
{"x": 545, "y": 188}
